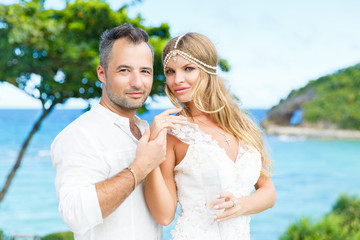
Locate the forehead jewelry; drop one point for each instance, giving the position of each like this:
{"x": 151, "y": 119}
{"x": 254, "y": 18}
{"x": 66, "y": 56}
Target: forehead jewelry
{"x": 176, "y": 43}
{"x": 188, "y": 57}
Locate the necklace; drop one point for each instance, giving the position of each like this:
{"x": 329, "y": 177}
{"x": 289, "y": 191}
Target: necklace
{"x": 227, "y": 140}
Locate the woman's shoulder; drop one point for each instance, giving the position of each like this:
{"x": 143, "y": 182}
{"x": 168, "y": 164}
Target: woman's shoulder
{"x": 172, "y": 140}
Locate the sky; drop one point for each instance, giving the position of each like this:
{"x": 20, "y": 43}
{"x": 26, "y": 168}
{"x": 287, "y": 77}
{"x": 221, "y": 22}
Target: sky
{"x": 272, "y": 46}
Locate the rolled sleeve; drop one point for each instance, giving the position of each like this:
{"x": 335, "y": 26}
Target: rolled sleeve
{"x": 80, "y": 209}
{"x": 78, "y": 166}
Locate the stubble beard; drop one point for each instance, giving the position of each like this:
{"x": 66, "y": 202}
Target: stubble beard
{"x": 122, "y": 101}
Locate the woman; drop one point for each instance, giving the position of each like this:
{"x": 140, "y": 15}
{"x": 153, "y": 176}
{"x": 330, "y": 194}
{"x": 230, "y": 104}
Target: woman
{"x": 218, "y": 149}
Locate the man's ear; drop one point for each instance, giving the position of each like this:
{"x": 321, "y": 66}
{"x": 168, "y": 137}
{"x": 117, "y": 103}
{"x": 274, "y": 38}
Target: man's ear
{"x": 101, "y": 73}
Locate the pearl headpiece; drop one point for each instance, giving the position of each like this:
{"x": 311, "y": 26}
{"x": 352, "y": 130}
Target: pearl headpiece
{"x": 188, "y": 57}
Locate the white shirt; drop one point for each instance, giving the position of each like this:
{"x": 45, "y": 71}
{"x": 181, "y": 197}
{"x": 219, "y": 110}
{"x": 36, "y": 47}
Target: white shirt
{"x": 93, "y": 148}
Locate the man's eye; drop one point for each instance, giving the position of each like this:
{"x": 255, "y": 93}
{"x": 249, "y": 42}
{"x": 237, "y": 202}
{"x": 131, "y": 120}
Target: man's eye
{"x": 124, "y": 70}
{"x": 146, "y": 71}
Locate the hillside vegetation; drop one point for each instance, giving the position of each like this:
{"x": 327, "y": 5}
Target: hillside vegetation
{"x": 342, "y": 223}
{"x": 337, "y": 101}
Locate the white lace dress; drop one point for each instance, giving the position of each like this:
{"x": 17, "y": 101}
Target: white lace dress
{"x": 195, "y": 222}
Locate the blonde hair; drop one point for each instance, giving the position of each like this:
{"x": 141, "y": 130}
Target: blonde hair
{"x": 210, "y": 96}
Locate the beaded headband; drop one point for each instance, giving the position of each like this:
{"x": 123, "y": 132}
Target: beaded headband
{"x": 188, "y": 57}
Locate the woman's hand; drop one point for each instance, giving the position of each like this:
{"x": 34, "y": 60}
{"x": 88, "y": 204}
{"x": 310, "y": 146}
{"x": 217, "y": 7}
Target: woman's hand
{"x": 263, "y": 198}
{"x": 232, "y": 206}
{"x": 165, "y": 120}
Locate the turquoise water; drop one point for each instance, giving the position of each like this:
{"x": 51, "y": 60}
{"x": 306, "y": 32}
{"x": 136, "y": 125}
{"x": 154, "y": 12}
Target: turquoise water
{"x": 309, "y": 175}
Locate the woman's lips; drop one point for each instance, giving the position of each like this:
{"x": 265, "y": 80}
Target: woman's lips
{"x": 181, "y": 90}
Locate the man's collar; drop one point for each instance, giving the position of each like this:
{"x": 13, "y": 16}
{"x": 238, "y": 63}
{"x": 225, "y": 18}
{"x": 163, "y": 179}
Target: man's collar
{"x": 116, "y": 118}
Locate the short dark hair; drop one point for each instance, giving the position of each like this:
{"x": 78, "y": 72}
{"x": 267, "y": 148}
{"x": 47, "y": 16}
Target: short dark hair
{"x": 132, "y": 34}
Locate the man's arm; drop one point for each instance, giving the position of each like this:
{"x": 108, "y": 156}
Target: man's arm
{"x": 84, "y": 197}
{"x": 112, "y": 192}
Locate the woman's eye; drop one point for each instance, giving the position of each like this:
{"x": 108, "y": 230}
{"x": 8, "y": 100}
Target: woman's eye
{"x": 169, "y": 71}
{"x": 189, "y": 69}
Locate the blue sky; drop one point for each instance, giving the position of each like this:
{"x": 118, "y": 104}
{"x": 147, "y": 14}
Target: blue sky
{"x": 272, "y": 46}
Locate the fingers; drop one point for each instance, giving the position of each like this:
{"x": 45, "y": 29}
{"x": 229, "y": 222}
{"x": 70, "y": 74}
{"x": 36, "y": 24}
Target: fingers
{"x": 161, "y": 137}
{"x": 223, "y": 205}
{"x": 214, "y": 203}
{"x": 175, "y": 119}
{"x": 230, "y": 206}
{"x": 146, "y": 136}
{"x": 167, "y": 122}
{"x": 232, "y": 210}
{"x": 161, "y": 140}
{"x": 226, "y": 205}
{"x": 227, "y": 195}
{"x": 170, "y": 111}
{"x": 168, "y": 125}
{"x": 167, "y": 117}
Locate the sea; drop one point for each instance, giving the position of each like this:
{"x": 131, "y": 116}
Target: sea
{"x": 309, "y": 176}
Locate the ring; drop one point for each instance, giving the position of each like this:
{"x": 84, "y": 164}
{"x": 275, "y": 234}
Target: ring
{"x": 166, "y": 119}
{"x": 234, "y": 203}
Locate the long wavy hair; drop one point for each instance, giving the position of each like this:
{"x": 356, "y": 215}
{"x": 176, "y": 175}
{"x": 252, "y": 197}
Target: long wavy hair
{"x": 211, "y": 97}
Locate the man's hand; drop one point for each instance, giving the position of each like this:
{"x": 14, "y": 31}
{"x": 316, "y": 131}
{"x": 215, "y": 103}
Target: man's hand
{"x": 151, "y": 150}
{"x": 149, "y": 153}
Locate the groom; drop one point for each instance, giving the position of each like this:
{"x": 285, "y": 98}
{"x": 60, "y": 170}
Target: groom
{"x": 102, "y": 157}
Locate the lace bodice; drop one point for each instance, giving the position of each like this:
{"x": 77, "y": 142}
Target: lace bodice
{"x": 239, "y": 177}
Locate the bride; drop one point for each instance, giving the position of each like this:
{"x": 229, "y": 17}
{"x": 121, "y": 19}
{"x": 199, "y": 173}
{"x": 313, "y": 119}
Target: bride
{"x": 215, "y": 159}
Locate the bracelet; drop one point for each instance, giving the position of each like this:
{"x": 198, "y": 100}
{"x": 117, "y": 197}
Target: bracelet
{"x": 133, "y": 173}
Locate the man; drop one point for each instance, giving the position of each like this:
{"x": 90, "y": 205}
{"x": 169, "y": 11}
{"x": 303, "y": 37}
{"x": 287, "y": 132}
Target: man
{"x": 103, "y": 155}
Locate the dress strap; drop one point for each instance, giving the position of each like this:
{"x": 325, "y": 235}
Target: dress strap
{"x": 190, "y": 133}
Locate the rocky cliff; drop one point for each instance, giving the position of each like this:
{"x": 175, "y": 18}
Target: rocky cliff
{"x": 282, "y": 113}
{"x": 330, "y": 102}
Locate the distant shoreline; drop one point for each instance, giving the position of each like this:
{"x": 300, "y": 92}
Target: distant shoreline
{"x": 340, "y": 134}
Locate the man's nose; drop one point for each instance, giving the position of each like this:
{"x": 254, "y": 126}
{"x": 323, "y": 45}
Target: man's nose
{"x": 136, "y": 81}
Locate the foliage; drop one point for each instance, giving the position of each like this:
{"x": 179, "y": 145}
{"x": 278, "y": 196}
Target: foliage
{"x": 52, "y": 55}
{"x": 59, "y": 236}
{"x": 224, "y": 65}
{"x": 61, "y": 47}
{"x": 3, "y": 236}
{"x": 343, "y": 222}
{"x": 337, "y": 99}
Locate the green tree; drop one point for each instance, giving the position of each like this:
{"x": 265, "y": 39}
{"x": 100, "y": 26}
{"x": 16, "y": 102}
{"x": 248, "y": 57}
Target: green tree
{"x": 343, "y": 222}
{"x": 337, "y": 100}
{"x": 52, "y": 55}
{"x": 59, "y": 236}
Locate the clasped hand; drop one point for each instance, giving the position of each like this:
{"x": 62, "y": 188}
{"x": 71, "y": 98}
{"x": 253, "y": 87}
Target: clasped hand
{"x": 151, "y": 150}
{"x": 231, "y": 205}
{"x": 165, "y": 121}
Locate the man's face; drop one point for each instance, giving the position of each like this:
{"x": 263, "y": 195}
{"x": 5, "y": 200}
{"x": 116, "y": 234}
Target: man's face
{"x": 128, "y": 79}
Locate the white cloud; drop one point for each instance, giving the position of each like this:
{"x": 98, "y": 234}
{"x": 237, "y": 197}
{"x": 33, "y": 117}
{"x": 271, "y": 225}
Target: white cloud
{"x": 272, "y": 46}
{"x": 12, "y": 97}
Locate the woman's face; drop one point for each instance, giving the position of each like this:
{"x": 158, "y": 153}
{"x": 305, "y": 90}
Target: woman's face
{"x": 181, "y": 77}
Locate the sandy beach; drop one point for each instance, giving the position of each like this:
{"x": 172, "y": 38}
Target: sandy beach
{"x": 313, "y": 132}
